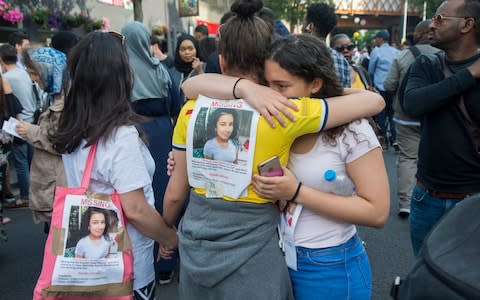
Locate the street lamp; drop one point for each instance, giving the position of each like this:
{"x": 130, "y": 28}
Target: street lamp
{"x": 405, "y": 16}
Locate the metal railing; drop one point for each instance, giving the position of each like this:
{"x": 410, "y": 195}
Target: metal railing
{"x": 371, "y": 7}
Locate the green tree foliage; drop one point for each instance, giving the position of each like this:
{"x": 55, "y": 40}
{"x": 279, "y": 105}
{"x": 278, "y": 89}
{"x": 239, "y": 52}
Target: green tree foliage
{"x": 432, "y": 6}
{"x": 291, "y": 11}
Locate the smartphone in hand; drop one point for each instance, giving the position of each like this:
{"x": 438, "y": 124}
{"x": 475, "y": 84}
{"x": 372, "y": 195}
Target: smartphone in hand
{"x": 271, "y": 167}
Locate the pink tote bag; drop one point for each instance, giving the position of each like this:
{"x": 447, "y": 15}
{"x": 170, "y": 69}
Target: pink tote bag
{"x": 88, "y": 254}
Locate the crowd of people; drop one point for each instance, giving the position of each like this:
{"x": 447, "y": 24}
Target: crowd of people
{"x": 320, "y": 108}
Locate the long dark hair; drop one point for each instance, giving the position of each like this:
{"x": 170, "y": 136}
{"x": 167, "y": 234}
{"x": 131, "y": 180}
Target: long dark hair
{"x": 213, "y": 119}
{"x": 88, "y": 214}
{"x": 307, "y": 57}
{"x": 98, "y": 100}
{"x": 244, "y": 40}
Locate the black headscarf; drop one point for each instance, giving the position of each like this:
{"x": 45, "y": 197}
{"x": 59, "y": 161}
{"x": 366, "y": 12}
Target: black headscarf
{"x": 181, "y": 65}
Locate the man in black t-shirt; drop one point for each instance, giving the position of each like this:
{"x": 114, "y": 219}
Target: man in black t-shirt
{"x": 448, "y": 159}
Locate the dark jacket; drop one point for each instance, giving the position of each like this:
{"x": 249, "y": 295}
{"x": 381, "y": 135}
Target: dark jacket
{"x": 448, "y": 159}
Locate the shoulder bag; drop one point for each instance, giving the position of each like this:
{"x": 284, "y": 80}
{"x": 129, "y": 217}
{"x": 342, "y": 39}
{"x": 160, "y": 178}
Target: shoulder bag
{"x": 88, "y": 254}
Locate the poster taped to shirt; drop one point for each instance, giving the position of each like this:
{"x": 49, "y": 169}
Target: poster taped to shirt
{"x": 88, "y": 253}
{"x": 220, "y": 146}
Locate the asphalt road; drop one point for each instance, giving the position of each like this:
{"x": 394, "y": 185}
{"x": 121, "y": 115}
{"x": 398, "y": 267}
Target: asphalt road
{"x": 21, "y": 257}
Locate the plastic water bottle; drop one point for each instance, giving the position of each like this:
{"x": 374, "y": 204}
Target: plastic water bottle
{"x": 338, "y": 184}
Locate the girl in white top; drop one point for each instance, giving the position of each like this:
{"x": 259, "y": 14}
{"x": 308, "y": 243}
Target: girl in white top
{"x": 331, "y": 260}
{"x": 98, "y": 110}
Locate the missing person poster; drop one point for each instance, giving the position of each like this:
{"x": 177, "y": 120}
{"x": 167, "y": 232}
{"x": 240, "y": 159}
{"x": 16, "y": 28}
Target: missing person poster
{"x": 88, "y": 251}
{"x": 220, "y": 146}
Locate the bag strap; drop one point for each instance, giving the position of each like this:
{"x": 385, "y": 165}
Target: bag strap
{"x": 415, "y": 51}
{"x": 403, "y": 83}
{"x": 89, "y": 166}
{"x": 472, "y": 128}
{"x": 37, "y": 97}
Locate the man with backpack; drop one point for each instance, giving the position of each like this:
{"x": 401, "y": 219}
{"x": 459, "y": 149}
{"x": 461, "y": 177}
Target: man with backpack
{"x": 443, "y": 91}
{"x": 408, "y": 129}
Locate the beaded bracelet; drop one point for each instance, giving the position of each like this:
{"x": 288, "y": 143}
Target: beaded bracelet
{"x": 296, "y": 192}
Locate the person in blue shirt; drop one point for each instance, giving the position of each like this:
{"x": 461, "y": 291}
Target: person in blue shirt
{"x": 381, "y": 60}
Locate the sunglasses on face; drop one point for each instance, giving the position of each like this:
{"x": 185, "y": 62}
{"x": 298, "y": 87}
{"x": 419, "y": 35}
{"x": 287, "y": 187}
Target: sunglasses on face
{"x": 440, "y": 18}
{"x": 347, "y": 47}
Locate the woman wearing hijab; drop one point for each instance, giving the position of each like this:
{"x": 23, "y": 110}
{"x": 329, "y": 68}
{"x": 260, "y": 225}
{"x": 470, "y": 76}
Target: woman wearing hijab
{"x": 187, "y": 61}
{"x": 155, "y": 98}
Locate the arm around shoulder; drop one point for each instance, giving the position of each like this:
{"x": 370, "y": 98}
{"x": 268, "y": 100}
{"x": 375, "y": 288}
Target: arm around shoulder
{"x": 354, "y": 105}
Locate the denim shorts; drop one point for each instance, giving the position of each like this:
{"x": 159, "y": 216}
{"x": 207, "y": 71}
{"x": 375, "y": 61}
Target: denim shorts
{"x": 340, "y": 272}
{"x": 425, "y": 211}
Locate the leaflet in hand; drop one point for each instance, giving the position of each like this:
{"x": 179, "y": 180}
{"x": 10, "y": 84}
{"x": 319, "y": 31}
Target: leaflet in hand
{"x": 9, "y": 127}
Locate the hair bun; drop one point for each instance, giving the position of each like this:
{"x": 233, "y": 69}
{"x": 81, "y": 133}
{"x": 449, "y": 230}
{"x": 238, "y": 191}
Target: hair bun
{"x": 246, "y": 8}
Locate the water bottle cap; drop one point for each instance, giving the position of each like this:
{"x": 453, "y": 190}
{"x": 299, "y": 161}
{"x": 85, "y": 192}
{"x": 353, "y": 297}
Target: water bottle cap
{"x": 330, "y": 175}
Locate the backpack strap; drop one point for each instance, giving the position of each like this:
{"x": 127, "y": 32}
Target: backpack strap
{"x": 415, "y": 51}
{"x": 403, "y": 83}
{"x": 37, "y": 97}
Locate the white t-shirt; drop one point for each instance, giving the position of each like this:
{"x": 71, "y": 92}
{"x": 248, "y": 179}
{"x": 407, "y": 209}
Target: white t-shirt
{"x": 122, "y": 163}
{"x": 87, "y": 248}
{"x": 314, "y": 230}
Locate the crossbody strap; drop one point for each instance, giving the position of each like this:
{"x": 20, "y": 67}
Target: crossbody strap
{"x": 448, "y": 73}
{"x": 472, "y": 128}
{"x": 37, "y": 97}
{"x": 89, "y": 166}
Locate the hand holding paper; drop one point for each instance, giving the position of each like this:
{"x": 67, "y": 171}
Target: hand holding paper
{"x": 22, "y": 128}
{"x": 10, "y": 125}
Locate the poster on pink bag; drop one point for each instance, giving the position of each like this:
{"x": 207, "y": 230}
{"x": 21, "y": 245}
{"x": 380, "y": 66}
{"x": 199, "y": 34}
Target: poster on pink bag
{"x": 90, "y": 243}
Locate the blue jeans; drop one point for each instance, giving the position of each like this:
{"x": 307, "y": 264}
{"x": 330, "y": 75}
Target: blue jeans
{"x": 340, "y": 272}
{"x": 22, "y": 157}
{"x": 425, "y": 211}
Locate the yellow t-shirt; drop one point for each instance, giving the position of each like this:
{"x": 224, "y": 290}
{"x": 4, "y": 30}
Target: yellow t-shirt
{"x": 357, "y": 81}
{"x": 310, "y": 118}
